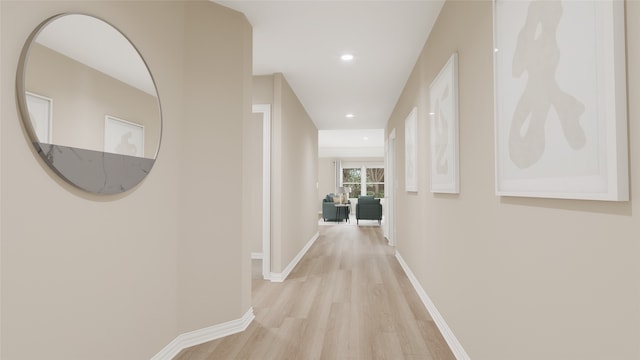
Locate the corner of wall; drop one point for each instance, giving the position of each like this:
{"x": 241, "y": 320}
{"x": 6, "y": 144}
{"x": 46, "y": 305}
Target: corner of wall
{"x": 214, "y": 258}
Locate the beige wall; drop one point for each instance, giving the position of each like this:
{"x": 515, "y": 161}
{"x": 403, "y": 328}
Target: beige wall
{"x": 252, "y": 179}
{"x": 80, "y": 106}
{"x": 516, "y": 278}
{"x": 119, "y": 277}
{"x": 294, "y": 170}
{"x": 213, "y": 258}
{"x": 295, "y": 159}
{"x": 263, "y": 89}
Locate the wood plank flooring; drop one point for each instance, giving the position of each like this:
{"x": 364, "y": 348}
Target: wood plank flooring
{"x": 348, "y": 298}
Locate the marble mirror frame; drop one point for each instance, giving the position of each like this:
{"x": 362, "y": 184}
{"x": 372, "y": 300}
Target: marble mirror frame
{"x": 97, "y": 172}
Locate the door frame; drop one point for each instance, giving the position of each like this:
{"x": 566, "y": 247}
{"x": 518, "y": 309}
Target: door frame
{"x": 390, "y": 187}
{"x": 265, "y": 110}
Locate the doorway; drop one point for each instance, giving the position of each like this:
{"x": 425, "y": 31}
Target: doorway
{"x": 263, "y": 112}
{"x": 390, "y": 189}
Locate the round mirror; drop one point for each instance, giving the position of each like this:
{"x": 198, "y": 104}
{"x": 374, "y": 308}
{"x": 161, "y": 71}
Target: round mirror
{"x": 89, "y": 103}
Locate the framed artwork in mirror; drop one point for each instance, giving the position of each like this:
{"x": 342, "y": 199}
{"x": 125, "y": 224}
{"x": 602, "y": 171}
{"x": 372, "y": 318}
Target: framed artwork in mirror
{"x": 443, "y": 116}
{"x": 123, "y": 137}
{"x": 560, "y": 99}
{"x": 40, "y": 111}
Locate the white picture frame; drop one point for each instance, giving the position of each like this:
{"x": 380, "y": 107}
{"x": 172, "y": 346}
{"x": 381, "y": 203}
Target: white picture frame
{"x": 123, "y": 137}
{"x": 443, "y": 120}
{"x": 41, "y": 115}
{"x": 560, "y": 99}
{"x": 411, "y": 151}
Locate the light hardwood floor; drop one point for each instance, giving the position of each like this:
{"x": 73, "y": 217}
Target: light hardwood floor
{"x": 348, "y": 298}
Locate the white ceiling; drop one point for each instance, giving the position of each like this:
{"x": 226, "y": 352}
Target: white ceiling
{"x": 97, "y": 44}
{"x": 304, "y": 39}
{"x": 351, "y": 143}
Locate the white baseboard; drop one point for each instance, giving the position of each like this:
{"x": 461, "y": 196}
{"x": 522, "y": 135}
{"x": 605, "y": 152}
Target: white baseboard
{"x": 280, "y": 277}
{"x": 196, "y": 337}
{"x": 454, "y": 344}
{"x": 257, "y": 256}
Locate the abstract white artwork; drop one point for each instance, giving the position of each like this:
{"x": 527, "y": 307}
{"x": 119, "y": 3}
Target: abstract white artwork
{"x": 411, "y": 151}
{"x": 560, "y": 99}
{"x": 40, "y": 113}
{"x": 123, "y": 137}
{"x": 443, "y": 116}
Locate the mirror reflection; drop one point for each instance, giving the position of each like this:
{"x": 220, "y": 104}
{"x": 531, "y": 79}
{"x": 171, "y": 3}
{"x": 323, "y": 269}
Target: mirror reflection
{"x": 85, "y": 89}
{"x": 97, "y": 88}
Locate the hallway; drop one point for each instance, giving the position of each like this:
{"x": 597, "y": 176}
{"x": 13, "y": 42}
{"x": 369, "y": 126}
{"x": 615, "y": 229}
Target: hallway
{"x": 348, "y": 298}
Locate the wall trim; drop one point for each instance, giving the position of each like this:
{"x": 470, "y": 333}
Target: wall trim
{"x": 200, "y": 336}
{"x": 257, "y": 256}
{"x": 452, "y": 341}
{"x": 280, "y": 277}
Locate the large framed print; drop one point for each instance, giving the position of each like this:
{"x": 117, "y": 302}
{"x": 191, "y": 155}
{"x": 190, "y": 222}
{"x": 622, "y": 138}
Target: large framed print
{"x": 411, "y": 151}
{"x": 443, "y": 116}
{"x": 560, "y": 99}
{"x": 123, "y": 137}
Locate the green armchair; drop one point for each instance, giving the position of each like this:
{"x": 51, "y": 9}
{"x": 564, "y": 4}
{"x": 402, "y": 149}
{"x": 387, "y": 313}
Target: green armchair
{"x": 368, "y": 208}
{"x": 330, "y": 212}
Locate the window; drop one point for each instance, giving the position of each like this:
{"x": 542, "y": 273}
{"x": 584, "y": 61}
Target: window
{"x": 370, "y": 184}
{"x": 375, "y": 182}
{"x": 352, "y": 177}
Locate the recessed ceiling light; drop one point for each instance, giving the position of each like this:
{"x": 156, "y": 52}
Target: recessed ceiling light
{"x": 350, "y": 116}
{"x": 346, "y": 57}
{"x": 365, "y": 138}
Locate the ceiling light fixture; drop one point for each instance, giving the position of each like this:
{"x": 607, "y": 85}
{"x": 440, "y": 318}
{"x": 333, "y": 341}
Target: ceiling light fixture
{"x": 350, "y": 116}
{"x": 346, "y": 57}
{"x": 365, "y": 138}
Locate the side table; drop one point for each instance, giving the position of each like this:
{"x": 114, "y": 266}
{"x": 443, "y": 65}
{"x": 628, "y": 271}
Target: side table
{"x": 345, "y": 208}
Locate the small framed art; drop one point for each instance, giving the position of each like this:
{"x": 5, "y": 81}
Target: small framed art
{"x": 443, "y": 116}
